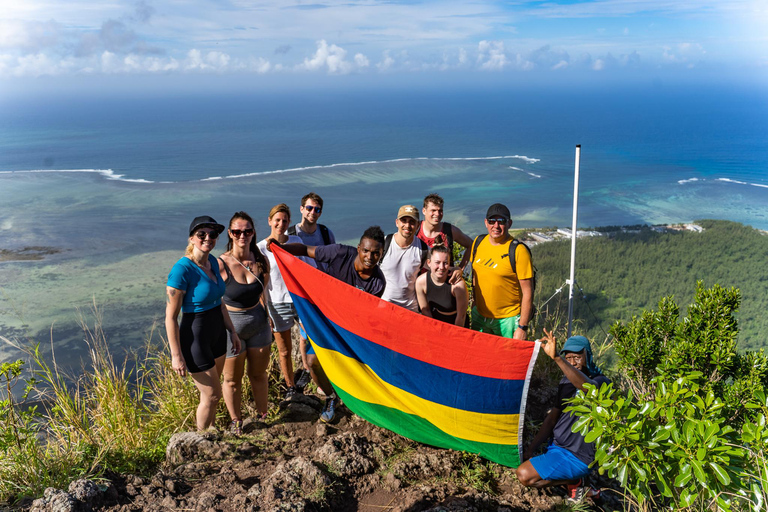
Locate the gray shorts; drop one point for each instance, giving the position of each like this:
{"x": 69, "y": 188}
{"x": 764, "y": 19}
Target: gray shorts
{"x": 252, "y": 327}
{"x": 283, "y": 315}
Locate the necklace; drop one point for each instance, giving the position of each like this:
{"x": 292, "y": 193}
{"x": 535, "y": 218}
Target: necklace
{"x": 246, "y": 265}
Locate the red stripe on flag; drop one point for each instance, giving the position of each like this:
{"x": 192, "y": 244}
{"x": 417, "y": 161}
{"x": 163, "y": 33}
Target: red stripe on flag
{"x": 404, "y": 331}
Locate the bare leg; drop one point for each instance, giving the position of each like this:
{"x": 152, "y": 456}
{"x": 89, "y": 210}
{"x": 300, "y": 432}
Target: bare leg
{"x": 208, "y": 383}
{"x": 233, "y": 385}
{"x": 284, "y": 348}
{"x": 258, "y": 361}
{"x": 529, "y": 477}
{"x": 318, "y": 375}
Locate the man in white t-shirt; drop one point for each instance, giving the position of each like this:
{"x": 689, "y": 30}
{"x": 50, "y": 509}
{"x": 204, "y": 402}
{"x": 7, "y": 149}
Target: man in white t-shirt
{"x": 404, "y": 255}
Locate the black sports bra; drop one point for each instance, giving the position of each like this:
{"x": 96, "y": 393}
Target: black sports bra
{"x": 239, "y": 295}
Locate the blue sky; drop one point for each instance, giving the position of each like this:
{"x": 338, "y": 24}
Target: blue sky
{"x": 299, "y": 41}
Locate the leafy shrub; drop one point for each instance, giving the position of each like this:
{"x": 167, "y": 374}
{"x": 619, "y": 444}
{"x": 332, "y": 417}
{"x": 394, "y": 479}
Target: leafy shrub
{"x": 690, "y": 431}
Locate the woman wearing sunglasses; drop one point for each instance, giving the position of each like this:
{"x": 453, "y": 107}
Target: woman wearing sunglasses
{"x": 245, "y": 271}
{"x": 199, "y": 343}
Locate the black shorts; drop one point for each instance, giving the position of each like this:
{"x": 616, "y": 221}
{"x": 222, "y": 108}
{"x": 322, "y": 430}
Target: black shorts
{"x": 203, "y": 339}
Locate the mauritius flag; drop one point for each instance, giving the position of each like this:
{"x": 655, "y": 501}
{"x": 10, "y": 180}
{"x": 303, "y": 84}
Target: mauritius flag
{"x": 432, "y": 382}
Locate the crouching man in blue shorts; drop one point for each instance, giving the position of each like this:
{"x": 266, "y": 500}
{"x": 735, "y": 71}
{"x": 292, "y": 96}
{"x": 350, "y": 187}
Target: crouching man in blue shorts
{"x": 568, "y": 456}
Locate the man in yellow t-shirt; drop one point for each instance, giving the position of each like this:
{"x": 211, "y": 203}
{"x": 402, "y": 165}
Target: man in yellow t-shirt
{"x": 503, "y": 298}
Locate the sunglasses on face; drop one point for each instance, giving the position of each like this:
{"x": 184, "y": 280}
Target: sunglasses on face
{"x": 497, "y": 220}
{"x": 213, "y": 235}
{"x": 237, "y": 233}
{"x": 316, "y": 209}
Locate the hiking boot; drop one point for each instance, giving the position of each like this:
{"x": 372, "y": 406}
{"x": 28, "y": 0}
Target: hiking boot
{"x": 236, "y": 427}
{"x": 303, "y": 379}
{"x": 329, "y": 411}
{"x": 578, "y": 492}
{"x": 290, "y": 392}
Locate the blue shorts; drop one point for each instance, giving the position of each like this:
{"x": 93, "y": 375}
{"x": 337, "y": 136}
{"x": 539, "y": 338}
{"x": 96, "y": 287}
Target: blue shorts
{"x": 559, "y": 464}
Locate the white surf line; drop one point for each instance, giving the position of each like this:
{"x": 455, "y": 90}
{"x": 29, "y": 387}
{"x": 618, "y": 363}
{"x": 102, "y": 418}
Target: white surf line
{"x": 370, "y": 162}
{"x": 111, "y": 175}
{"x": 729, "y": 180}
{"x": 526, "y": 172}
{"x": 106, "y": 173}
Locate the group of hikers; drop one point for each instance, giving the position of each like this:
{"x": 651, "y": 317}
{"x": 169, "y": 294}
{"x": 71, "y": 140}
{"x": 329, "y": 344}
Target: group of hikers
{"x": 232, "y": 305}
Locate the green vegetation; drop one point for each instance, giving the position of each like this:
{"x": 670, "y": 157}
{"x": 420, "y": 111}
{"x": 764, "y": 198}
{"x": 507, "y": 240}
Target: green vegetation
{"x": 628, "y": 272}
{"x": 688, "y": 433}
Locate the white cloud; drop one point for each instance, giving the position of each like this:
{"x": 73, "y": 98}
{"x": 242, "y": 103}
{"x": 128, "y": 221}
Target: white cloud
{"x": 386, "y": 61}
{"x": 29, "y": 36}
{"x": 330, "y": 57}
{"x": 683, "y": 53}
{"x": 361, "y": 60}
{"x": 491, "y": 55}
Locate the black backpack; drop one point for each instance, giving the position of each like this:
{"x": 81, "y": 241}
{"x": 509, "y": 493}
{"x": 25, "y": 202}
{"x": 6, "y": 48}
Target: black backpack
{"x": 422, "y": 244}
{"x": 323, "y": 232}
{"x": 512, "y": 251}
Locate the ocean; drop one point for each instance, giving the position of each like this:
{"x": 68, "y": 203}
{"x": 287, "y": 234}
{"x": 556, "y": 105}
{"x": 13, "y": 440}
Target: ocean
{"x": 112, "y": 182}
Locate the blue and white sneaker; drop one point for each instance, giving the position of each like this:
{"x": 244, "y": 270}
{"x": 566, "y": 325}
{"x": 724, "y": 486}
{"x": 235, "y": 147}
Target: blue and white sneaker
{"x": 329, "y": 411}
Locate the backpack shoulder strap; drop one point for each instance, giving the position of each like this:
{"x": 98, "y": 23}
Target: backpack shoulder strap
{"x": 513, "y": 251}
{"x": 447, "y": 231}
{"x": 291, "y": 230}
{"x": 325, "y": 234}
{"x": 475, "y": 243}
{"x": 387, "y": 243}
{"x": 424, "y": 251}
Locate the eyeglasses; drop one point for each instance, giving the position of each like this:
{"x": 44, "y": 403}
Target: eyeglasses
{"x": 311, "y": 208}
{"x": 237, "y": 233}
{"x": 213, "y": 235}
{"x": 497, "y": 220}
{"x": 573, "y": 358}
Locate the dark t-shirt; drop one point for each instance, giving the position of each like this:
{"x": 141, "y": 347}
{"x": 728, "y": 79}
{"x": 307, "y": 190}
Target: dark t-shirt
{"x": 564, "y": 438}
{"x": 341, "y": 265}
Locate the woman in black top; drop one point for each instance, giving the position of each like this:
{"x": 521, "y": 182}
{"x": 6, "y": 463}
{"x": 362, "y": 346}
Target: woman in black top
{"x": 438, "y": 298}
{"x": 245, "y": 271}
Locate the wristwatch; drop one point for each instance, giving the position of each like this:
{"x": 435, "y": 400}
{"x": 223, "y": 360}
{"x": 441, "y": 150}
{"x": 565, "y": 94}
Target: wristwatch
{"x": 523, "y": 327}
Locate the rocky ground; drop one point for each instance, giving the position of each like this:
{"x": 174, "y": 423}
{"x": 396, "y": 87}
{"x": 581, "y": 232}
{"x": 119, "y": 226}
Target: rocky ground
{"x": 297, "y": 463}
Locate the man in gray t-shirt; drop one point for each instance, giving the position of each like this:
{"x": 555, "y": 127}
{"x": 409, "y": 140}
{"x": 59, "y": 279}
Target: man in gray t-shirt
{"x": 310, "y": 232}
{"x": 314, "y": 235}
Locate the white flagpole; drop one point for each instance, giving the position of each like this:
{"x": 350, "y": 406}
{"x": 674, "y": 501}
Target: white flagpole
{"x": 572, "y": 278}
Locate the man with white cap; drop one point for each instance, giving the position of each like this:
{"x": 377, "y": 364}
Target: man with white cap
{"x": 404, "y": 255}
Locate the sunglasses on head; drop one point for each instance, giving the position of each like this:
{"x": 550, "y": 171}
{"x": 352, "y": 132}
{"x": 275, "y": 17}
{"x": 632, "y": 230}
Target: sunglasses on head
{"x": 213, "y": 235}
{"x": 497, "y": 220}
{"x": 238, "y": 232}
{"x": 310, "y": 208}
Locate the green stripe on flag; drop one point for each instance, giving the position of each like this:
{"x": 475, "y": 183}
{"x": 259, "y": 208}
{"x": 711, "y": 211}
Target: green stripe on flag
{"x": 419, "y": 429}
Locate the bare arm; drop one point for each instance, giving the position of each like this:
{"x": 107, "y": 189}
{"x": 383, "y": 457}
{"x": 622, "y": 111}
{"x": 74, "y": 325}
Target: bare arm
{"x": 231, "y": 328}
{"x": 421, "y": 294}
{"x": 577, "y": 378}
{"x": 459, "y": 291}
{"x": 295, "y": 249}
{"x": 544, "y": 433}
{"x": 172, "y": 309}
{"x": 460, "y": 238}
{"x": 526, "y": 308}
{"x": 463, "y": 240}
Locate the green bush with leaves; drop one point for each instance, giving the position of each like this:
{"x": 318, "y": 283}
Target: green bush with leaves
{"x": 689, "y": 432}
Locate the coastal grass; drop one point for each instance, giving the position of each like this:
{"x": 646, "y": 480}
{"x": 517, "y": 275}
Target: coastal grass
{"x": 116, "y": 417}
